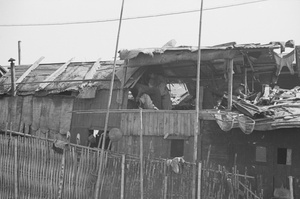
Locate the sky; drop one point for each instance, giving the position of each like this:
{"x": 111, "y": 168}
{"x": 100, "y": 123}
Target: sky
{"x": 222, "y": 21}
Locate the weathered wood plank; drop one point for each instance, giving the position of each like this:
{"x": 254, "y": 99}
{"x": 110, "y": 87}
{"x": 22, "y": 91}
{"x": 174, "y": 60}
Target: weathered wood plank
{"x": 92, "y": 70}
{"x": 31, "y": 68}
{"x": 59, "y": 71}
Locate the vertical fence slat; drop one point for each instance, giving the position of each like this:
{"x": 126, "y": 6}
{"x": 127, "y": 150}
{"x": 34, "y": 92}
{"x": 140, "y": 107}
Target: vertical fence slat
{"x": 16, "y": 167}
{"x": 122, "y": 176}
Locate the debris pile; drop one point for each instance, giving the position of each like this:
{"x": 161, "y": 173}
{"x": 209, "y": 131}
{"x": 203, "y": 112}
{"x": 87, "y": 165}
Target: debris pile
{"x": 275, "y": 108}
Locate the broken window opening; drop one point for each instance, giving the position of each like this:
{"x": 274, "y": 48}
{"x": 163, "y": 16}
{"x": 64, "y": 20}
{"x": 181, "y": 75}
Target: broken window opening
{"x": 177, "y": 148}
{"x": 284, "y": 156}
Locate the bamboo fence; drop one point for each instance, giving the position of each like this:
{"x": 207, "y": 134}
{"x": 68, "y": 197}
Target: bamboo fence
{"x": 30, "y": 168}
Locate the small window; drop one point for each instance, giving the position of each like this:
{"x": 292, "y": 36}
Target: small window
{"x": 177, "y": 148}
{"x": 261, "y": 154}
{"x": 284, "y": 156}
{"x": 96, "y": 136}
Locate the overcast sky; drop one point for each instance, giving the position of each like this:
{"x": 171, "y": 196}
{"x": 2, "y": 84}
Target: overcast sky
{"x": 260, "y": 22}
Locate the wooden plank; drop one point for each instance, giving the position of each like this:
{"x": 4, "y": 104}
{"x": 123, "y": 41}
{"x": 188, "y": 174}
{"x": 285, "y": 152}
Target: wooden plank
{"x": 230, "y": 82}
{"x": 171, "y": 124}
{"x": 54, "y": 75}
{"x": 166, "y": 123}
{"x": 16, "y": 167}
{"x": 201, "y": 95}
{"x": 91, "y": 72}
{"x": 31, "y": 68}
{"x": 161, "y": 123}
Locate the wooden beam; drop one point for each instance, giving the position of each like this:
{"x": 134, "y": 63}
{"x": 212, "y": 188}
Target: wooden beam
{"x": 31, "y": 68}
{"x": 250, "y": 63}
{"x": 230, "y": 82}
{"x": 54, "y": 75}
{"x": 92, "y": 70}
{"x": 246, "y": 82}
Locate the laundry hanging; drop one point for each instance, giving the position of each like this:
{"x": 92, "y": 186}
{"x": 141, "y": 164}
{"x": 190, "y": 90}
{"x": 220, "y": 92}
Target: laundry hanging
{"x": 284, "y": 60}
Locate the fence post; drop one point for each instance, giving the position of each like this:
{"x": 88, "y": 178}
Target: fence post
{"x": 122, "y": 177}
{"x": 141, "y": 155}
{"x": 6, "y": 126}
{"x": 165, "y": 181}
{"x": 199, "y": 180}
{"x": 16, "y": 168}
{"x": 165, "y": 186}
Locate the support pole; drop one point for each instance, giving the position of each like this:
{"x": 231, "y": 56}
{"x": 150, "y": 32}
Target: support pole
{"x": 108, "y": 107}
{"x": 13, "y": 76}
{"x": 122, "y": 177}
{"x": 196, "y": 122}
{"x": 291, "y": 187}
{"x": 230, "y": 82}
{"x": 16, "y": 168}
{"x": 246, "y": 82}
{"x": 199, "y": 180}
{"x": 141, "y": 155}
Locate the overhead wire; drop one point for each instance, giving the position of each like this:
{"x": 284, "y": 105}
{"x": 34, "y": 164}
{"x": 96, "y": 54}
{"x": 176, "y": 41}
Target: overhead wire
{"x": 131, "y": 18}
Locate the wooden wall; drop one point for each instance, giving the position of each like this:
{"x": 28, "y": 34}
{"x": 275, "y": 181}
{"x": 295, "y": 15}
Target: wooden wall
{"x": 83, "y": 122}
{"x": 272, "y": 173}
{"x": 153, "y": 146}
{"x": 159, "y": 123}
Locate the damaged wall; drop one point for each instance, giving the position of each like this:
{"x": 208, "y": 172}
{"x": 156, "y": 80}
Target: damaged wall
{"x": 91, "y": 120}
{"x": 37, "y": 115}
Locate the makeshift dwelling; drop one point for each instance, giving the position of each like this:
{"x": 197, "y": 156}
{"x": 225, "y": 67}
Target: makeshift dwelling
{"x": 52, "y": 99}
{"x": 232, "y": 75}
{"x": 48, "y": 94}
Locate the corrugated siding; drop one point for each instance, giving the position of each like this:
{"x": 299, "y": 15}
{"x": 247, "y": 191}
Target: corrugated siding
{"x": 159, "y": 123}
{"x": 42, "y": 114}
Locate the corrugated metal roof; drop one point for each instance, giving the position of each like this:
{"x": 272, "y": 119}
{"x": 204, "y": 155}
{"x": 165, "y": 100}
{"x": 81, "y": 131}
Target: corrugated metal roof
{"x": 74, "y": 71}
{"x": 129, "y": 54}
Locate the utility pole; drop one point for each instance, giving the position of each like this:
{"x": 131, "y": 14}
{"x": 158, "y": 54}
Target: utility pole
{"x": 19, "y": 53}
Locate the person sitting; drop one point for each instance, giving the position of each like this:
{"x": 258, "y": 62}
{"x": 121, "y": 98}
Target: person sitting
{"x": 159, "y": 82}
{"x": 139, "y": 89}
{"x": 145, "y": 102}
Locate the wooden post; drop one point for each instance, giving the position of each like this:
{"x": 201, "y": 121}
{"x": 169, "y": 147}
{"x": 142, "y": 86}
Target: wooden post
{"x": 10, "y": 128}
{"x": 230, "y": 82}
{"x": 199, "y": 180}
{"x": 16, "y": 168}
{"x": 141, "y": 155}
{"x": 291, "y": 187}
{"x": 246, "y": 82}
{"x": 252, "y": 83}
{"x": 122, "y": 88}
{"x": 165, "y": 181}
{"x": 165, "y": 186}
{"x": 61, "y": 176}
{"x": 6, "y": 126}
{"x": 122, "y": 177}
{"x": 196, "y": 122}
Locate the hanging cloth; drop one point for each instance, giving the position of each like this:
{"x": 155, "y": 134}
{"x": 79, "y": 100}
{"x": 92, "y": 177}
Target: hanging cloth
{"x": 284, "y": 60}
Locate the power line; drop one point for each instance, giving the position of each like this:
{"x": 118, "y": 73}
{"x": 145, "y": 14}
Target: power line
{"x": 131, "y": 18}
